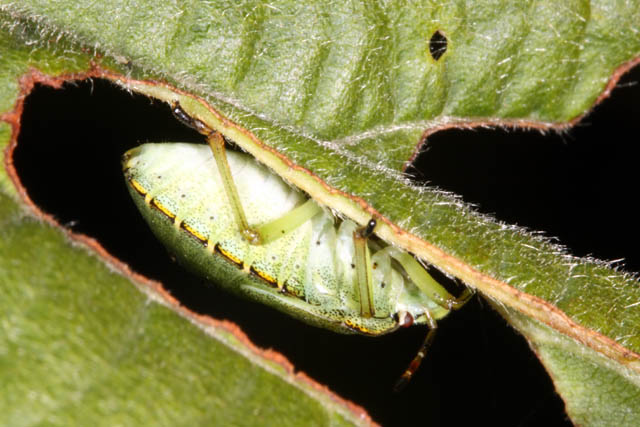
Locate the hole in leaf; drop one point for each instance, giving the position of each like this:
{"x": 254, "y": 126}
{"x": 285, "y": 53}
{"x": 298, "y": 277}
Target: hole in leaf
{"x": 437, "y": 45}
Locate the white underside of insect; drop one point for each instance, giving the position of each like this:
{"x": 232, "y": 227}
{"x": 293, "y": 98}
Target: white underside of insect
{"x": 311, "y": 268}
{"x": 296, "y": 256}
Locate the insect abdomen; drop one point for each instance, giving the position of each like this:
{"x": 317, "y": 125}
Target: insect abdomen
{"x": 308, "y": 272}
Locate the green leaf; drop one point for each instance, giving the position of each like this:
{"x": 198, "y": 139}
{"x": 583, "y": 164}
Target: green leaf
{"x": 80, "y": 345}
{"x": 323, "y": 88}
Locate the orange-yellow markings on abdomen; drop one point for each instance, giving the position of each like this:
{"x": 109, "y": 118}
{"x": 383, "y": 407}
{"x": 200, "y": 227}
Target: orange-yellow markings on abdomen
{"x": 264, "y": 276}
{"x": 231, "y": 257}
{"x": 139, "y": 188}
{"x": 360, "y": 328}
{"x": 163, "y": 209}
{"x": 194, "y": 232}
{"x": 214, "y": 247}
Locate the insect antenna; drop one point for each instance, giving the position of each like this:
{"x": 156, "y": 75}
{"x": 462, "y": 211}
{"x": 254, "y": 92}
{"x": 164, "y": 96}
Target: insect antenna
{"x": 417, "y": 360}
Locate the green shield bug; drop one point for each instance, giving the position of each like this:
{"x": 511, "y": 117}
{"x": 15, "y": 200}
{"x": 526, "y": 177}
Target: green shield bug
{"x": 236, "y": 223}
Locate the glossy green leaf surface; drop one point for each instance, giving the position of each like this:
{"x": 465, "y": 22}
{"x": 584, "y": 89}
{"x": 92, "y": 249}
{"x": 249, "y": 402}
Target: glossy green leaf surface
{"x": 328, "y": 85}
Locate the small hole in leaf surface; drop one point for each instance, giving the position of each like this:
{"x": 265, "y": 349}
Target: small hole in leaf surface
{"x": 437, "y": 45}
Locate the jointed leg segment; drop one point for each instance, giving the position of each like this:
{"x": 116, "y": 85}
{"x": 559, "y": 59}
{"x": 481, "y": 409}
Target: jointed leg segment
{"x": 428, "y": 284}
{"x": 364, "y": 274}
{"x": 439, "y": 294}
{"x": 417, "y": 360}
{"x": 288, "y": 222}
{"x": 267, "y": 232}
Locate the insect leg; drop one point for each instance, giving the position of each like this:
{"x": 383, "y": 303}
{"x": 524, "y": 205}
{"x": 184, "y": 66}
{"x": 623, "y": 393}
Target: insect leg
{"x": 433, "y": 290}
{"x": 428, "y": 284}
{"x": 417, "y": 360}
{"x": 290, "y": 221}
{"x": 267, "y": 232}
{"x": 216, "y": 142}
{"x": 364, "y": 276}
